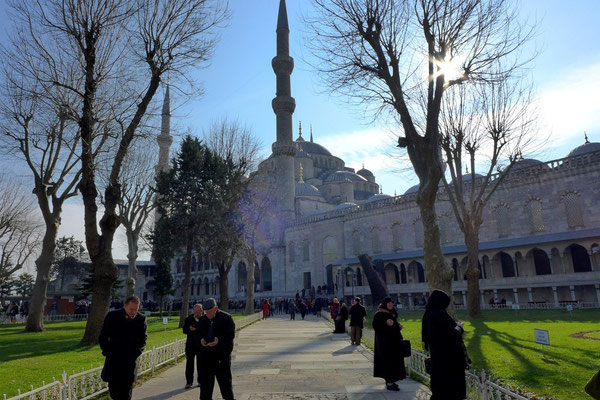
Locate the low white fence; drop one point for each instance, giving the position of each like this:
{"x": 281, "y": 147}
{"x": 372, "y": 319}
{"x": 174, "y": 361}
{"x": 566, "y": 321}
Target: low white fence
{"x": 479, "y": 387}
{"x": 47, "y": 318}
{"x": 87, "y": 384}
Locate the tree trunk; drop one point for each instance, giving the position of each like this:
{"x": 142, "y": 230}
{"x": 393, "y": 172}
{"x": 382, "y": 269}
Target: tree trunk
{"x": 376, "y": 284}
{"x": 473, "y": 298}
{"x": 439, "y": 275}
{"x": 132, "y": 255}
{"x": 35, "y": 319}
{"x": 223, "y": 292}
{"x": 250, "y": 282}
{"x": 185, "y": 301}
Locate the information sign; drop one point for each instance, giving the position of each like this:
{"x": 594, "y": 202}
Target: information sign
{"x": 165, "y": 320}
{"x": 541, "y": 336}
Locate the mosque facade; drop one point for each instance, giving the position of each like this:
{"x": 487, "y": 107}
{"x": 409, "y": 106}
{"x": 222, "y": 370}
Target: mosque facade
{"x": 539, "y": 242}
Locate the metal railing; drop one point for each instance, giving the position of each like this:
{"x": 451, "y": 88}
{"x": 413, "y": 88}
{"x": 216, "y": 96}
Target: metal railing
{"x": 87, "y": 384}
{"x": 479, "y": 386}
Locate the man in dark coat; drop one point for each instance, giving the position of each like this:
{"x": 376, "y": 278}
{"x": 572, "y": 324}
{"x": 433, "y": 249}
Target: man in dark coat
{"x": 357, "y": 316}
{"x": 443, "y": 338}
{"x": 192, "y": 345}
{"x": 388, "y": 362}
{"x": 217, "y": 331}
{"x": 122, "y": 340}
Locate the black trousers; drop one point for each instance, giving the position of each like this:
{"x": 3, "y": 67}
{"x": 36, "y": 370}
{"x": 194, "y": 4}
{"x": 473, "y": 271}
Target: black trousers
{"x": 190, "y": 355}
{"x": 120, "y": 390}
{"x": 217, "y": 366}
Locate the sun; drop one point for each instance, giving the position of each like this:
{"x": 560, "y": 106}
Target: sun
{"x": 451, "y": 68}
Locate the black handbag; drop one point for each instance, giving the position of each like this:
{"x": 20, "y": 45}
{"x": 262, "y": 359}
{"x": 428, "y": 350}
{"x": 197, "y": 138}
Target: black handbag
{"x": 405, "y": 348}
{"x": 593, "y": 386}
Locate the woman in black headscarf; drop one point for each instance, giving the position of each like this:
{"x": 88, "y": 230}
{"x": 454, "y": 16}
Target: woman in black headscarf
{"x": 389, "y": 362}
{"x": 442, "y": 336}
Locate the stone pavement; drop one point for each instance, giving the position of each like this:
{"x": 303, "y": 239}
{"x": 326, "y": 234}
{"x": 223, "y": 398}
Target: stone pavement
{"x": 290, "y": 360}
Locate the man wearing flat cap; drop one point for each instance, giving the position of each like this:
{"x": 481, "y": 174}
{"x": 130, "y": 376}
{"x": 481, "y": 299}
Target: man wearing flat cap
{"x": 217, "y": 331}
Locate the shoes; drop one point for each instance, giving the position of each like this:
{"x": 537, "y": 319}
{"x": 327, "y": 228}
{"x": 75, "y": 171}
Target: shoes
{"x": 352, "y": 343}
{"x": 393, "y": 387}
{"x": 189, "y": 385}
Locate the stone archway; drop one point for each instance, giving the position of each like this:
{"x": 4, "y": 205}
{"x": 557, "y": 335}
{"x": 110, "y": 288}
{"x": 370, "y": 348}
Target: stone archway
{"x": 242, "y": 276}
{"x": 266, "y": 274}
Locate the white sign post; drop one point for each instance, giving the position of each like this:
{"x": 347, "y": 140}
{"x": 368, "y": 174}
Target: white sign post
{"x": 165, "y": 322}
{"x": 542, "y": 337}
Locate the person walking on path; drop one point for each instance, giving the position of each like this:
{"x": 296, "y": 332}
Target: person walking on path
{"x": 192, "y": 345}
{"x": 292, "y": 309}
{"x": 265, "y": 308}
{"x": 122, "y": 340}
{"x": 388, "y": 361}
{"x": 357, "y": 317}
{"x": 217, "y": 331}
{"x": 442, "y": 337}
{"x": 340, "y": 320}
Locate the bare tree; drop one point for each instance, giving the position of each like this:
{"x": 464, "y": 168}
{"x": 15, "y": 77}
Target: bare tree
{"x": 20, "y": 228}
{"x": 137, "y": 180}
{"x": 235, "y": 144}
{"x": 485, "y": 129}
{"x": 254, "y": 206}
{"x": 396, "y": 56}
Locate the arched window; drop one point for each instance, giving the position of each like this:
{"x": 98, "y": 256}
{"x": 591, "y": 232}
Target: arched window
{"x": 402, "y": 274}
{"x": 292, "y": 252}
{"x": 200, "y": 262}
{"x": 541, "y": 262}
{"x": 390, "y": 272}
{"x": 534, "y": 212}
{"x": 375, "y": 241}
{"x": 502, "y": 211}
{"x": 356, "y": 242}
{"x": 305, "y": 251}
{"x": 242, "y": 275}
{"x": 580, "y": 258}
{"x": 266, "y": 274}
{"x": 416, "y": 273}
{"x": 418, "y": 228}
{"x": 455, "y": 268}
{"x": 194, "y": 263}
{"x": 396, "y": 237}
{"x": 572, "y": 203}
{"x": 507, "y": 265}
{"x": 358, "y": 277}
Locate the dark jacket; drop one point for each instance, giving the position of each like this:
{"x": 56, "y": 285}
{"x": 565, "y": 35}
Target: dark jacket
{"x": 223, "y": 328}
{"x": 193, "y": 338}
{"x": 357, "y": 315}
{"x": 344, "y": 312}
{"x": 443, "y": 338}
{"x": 122, "y": 341}
{"x": 388, "y": 360}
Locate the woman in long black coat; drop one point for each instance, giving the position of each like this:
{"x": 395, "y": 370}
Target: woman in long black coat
{"x": 442, "y": 336}
{"x": 340, "y": 320}
{"x": 389, "y": 362}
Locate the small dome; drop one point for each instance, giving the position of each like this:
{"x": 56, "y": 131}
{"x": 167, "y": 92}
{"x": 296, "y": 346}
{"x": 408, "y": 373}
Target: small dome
{"x": 365, "y": 173}
{"x": 412, "y": 189}
{"x": 526, "y": 163}
{"x": 588, "y": 147}
{"x": 306, "y": 189}
{"x": 342, "y": 206}
{"x": 378, "y": 197}
{"x": 344, "y": 176}
{"x": 312, "y": 148}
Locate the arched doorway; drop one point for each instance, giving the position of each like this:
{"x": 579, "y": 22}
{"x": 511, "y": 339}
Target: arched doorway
{"x": 242, "y": 275}
{"x": 416, "y": 273}
{"x": 257, "y": 282}
{"x": 541, "y": 262}
{"x": 267, "y": 283}
{"x": 455, "y": 268}
{"x": 359, "y": 281}
{"x": 329, "y": 271}
{"x": 402, "y": 274}
{"x": 390, "y": 273}
{"x": 580, "y": 258}
{"x": 507, "y": 265}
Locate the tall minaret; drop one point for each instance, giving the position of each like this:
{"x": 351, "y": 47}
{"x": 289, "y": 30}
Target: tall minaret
{"x": 164, "y": 139}
{"x": 284, "y": 104}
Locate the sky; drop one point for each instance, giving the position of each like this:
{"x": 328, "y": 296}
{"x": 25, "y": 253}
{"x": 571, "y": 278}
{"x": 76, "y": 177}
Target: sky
{"x": 239, "y": 84}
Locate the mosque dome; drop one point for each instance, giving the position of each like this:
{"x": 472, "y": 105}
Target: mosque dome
{"x": 301, "y": 153}
{"x": 587, "y": 147}
{"x": 378, "y": 197}
{"x": 342, "y": 206}
{"x": 365, "y": 173}
{"x": 306, "y": 189}
{"x": 412, "y": 189}
{"x": 312, "y": 148}
{"x": 344, "y": 176}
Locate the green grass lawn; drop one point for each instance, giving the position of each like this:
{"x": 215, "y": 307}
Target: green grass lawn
{"x": 502, "y": 343}
{"x": 30, "y": 358}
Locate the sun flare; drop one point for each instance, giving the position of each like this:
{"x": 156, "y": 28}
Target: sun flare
{"x": 451, "y": 68}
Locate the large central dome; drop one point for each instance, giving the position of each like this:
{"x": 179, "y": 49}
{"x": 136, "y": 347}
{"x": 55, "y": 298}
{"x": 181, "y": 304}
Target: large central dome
{"x": 313, "y": 148}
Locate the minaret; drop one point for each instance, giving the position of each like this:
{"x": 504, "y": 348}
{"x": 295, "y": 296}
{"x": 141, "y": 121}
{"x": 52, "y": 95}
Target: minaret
{"x": 164, "y": 139}
{"x": 284, "y": 104}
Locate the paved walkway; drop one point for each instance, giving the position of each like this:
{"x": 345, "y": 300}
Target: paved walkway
{"x": 291, "y": 360}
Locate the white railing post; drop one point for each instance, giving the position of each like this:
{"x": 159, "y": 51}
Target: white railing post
{"x": 152, "y": 360}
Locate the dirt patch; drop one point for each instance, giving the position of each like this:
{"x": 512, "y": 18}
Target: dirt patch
{"x": 584, "y": 335}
